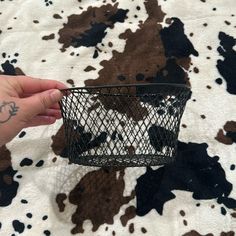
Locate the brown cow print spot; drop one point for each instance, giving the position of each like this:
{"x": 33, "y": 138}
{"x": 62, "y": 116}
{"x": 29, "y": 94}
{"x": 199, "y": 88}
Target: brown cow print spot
{"x": 89, "y": 68}
{"x": 195, "y": 233}
{"x": 57, "y": 16}
{"x": 182, "y": 213}
{"x": 60, "y": 201}
{"x": 233, "y": 214}
{"x": 48, "y": 37}
{"x": 230, "y": 233}
{"x": 131, "y": 228}
{"x": 130, "y": 213}
{"x": 131, "y": 150}
{"x": 98, "y": 204}
{"x": 71, "y": 82}
{"x": 196, "y": 70}
{"x": 88, "y": 29}
{"x": 59, "y": 142}
{"x": 227, "y": 135}
{"x": 143, "y": 230}
{"x": 168, "y": 21}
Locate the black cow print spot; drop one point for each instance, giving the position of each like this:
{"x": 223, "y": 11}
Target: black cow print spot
{"x": 223, "y": 211}
{"x": 95, "y": 55}
{"x": 8, "y": 187}
{"x": 232, "y": 167}
{"x": 26, "y": 162}
{"x": 40, "y": 163}
{"x": 227, "y": 67}
{"x": 175, "y": 42}
{"x": 158, "y": 137}
{"x": 193, "y": 171}
{"x": 23, "y": 201}
{"x": 18, "y": 226}
{"x": 47, "y": 232}
{"x": 29, "y": 215}
{"x": 219, "y": 81}
{"x": 22, "y": 134}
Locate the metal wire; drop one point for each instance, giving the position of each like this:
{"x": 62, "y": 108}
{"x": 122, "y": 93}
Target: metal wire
{"x": 123, "y": 125}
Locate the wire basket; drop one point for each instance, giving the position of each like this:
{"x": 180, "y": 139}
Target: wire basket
{"x": 123, "y": 125}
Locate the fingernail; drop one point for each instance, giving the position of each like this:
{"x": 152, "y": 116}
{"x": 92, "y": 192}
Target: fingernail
{"x": 56, "y": 95}
{"x": 65, "y": 92}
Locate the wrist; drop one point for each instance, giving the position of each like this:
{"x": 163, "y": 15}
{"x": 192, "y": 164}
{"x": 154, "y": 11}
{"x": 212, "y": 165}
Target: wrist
{"x": 9, "y": 123}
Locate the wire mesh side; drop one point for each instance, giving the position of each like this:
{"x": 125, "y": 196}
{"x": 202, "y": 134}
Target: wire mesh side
{"x": 123, "y": 126}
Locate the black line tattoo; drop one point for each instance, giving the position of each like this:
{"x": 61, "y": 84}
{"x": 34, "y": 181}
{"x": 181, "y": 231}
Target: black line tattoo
{"x": 7, "y": 110}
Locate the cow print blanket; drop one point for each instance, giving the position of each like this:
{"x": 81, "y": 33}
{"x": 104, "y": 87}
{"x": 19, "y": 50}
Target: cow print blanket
{"x": 95, "y": 42}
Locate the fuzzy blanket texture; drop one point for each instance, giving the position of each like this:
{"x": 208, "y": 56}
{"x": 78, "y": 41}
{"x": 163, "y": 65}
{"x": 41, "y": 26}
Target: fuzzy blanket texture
{"x": 97, "y": 42}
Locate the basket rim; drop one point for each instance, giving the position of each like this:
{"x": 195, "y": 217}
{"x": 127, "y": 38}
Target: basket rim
{"x": 128, "y": 85}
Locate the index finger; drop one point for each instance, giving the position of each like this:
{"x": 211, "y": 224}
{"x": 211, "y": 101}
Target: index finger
{"x": 34, "y": 85}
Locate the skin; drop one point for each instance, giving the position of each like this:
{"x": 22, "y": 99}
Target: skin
{"x": 27, "y": 102}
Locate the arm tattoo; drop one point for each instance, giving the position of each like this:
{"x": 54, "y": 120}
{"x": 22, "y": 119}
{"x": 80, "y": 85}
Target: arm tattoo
{"x": 7, "y": 110}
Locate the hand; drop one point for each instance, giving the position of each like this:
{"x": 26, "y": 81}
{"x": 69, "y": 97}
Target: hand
{"x": 27, "y": 102}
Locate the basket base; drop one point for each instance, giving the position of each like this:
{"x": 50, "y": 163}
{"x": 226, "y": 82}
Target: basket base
{"x": 122, "y": 160}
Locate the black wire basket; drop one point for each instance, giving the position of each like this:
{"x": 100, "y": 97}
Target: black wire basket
{"x": 123, "y": 125}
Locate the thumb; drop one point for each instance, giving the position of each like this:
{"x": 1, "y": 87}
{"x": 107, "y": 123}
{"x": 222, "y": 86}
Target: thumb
{"x": 39, "y": 102}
